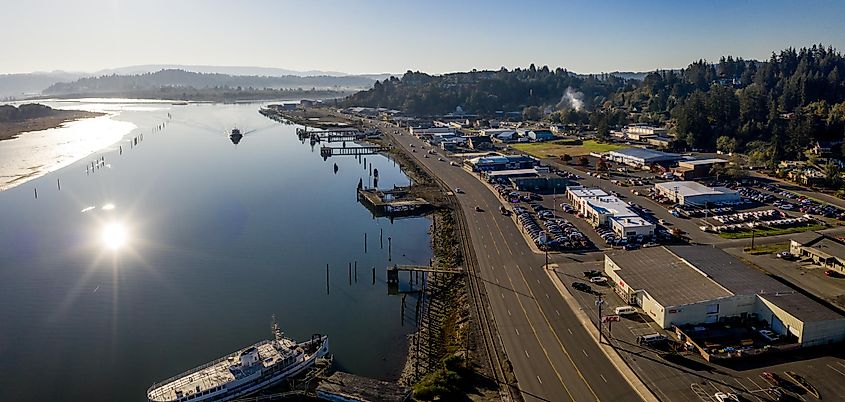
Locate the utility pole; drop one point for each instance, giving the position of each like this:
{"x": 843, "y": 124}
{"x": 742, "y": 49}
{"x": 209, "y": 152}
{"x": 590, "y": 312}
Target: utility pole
{"x": 599, "y": 303}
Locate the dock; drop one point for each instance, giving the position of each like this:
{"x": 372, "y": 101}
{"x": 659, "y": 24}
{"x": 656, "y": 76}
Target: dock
{"x": 347, "y": 387}
{"x": 395, "y": 202}
{"x": 326, "y": 152}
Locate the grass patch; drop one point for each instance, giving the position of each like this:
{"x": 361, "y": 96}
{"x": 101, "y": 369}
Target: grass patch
{"x": 771, "y": 231}
{"x": 767, "y": 249}
{"x": 556, "y": 149}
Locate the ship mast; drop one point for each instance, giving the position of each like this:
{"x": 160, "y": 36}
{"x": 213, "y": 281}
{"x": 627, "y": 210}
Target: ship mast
{"x": 277, "y": 332}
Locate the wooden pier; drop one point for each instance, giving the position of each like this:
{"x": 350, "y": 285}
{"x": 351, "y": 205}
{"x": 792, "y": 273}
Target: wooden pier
{"x": 326, "y": 152}
{"x": 395, "y": 202}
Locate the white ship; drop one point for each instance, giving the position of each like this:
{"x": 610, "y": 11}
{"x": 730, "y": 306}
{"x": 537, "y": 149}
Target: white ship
{"x": 244, "y": 372}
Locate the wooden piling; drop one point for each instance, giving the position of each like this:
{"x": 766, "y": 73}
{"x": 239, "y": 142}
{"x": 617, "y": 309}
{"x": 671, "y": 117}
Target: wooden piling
{"x": 389, "y": 249}
{"x": 59, "y": 184}
{"x": 374, "y": 275}
{"x": 365, "y": 242}
{"x": 356, "y": 271}
{"x": 350, "y": 273}
{"x": 381, "y": 238}
{"x": 36, "y": 193}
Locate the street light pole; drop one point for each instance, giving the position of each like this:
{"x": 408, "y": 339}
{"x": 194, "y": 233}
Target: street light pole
{"x": 599, "y": 303}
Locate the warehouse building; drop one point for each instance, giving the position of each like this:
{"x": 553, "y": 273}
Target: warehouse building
{"x": 678, "y": 285}
{"x": 823, "y": 250}
{"x": 693, "y": 193}
{"x": 602, "y": 209}
{"x": 698, "y": 168}
{"x": 501, "y": 162}
{"x": 642, "y": 157}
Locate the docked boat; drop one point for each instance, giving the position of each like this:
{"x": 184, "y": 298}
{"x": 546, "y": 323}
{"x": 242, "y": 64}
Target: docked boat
{"x": 244, "y": 372}
{"x": 236, "y": 136}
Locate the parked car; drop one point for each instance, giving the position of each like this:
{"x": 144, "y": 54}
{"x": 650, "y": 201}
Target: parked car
{"x": 769, "y": 335}
{"x": 582, "y": 287}
{"x": 625, "y": 310}
{"x": 598, "y": 280}
{"x": 591, "y": 273}
{"x": 786, "y": 255}
{"x": 459, "y": 190}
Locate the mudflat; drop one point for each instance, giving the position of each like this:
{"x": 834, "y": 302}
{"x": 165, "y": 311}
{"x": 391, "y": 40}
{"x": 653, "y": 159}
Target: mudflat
{"x": 12, "y": 129}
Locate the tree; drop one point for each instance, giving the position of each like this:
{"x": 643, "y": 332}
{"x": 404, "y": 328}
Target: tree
{"x": 532, "y": 113}
{"x": 583, "y": 161}
{"x": 566, "y": 158}
{"x": 601, "y": 165}
{"x": 726, "y": 144}
{"x": 832, "y": 173}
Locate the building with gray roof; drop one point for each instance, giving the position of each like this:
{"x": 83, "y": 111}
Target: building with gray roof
{"x": 639, "y": 157}
{"x": 678, "y": 285}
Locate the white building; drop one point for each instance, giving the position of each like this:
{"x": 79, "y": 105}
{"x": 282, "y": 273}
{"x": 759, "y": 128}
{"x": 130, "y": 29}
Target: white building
{"x": 694, "y": 193}
{"x": 640, "y": 157}
{"x": 679, "y": 285}
{"x": 600, "y": 209}
{"x": 426, "y": 133}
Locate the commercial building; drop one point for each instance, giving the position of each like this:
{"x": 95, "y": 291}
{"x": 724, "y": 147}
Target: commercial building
{"x": 694, "y": 193}
{"x": 645, "y": 131}
{"x": 501, "y": 135}
{"x": 823, "y": 250}
{"x": 540, "y": 135}
{"x": 698, "y": 168}
{"x": 678, "y": 285}
{"x": 501, "y": 162}
{"x": 480, "y": 143}
{"x": 642, "y": 157}
{"x": 426, "y": 133}
{"x": 602, "y": 209}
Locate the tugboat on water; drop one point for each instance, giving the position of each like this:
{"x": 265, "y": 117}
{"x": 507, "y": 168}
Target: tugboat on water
{"x": 235, "y": 136}
{"x": 249, "y": 370}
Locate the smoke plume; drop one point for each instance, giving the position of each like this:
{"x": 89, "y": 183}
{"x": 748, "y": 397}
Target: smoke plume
{"x": 571, "y": 99}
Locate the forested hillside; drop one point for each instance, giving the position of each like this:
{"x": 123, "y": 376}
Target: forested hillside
{"x": 186, "y": 79}
{"x": 778, "y": 107}
{"x": 488, "y": 91}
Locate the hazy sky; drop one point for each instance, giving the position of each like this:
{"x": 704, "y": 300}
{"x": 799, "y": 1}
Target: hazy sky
{"x": 394, "y": 36}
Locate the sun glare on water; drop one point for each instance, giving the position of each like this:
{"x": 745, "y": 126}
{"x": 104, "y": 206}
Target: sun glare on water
{"x": 114, "y": 235}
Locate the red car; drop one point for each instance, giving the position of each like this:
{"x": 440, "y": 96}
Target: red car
{"x": 772, "y": 378}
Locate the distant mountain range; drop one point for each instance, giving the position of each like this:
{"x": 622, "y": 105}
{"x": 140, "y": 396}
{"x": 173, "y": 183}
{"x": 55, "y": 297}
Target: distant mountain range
{"x": 199, "y": 76}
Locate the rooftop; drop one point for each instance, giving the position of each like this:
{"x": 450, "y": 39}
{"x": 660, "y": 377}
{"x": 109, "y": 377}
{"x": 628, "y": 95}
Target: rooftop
{"x": 666, "y": 278}
{"x": 691, "y": 188}
{"x": 584, "y": 192}
{"x": 648, "y": 155}
{"x": 708, "y": 161}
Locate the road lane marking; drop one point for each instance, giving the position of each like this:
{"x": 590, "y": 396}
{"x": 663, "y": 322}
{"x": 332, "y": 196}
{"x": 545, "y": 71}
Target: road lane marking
{"x": 538, "y": 379}
{"x": 527, "y": 355}
{"x": 547, "y": 296}
{"x": 509, "y": 313}
{"x": 558, "y": 312}
{"x": 570, "y": 331}
{"x": 585, "y": 353}
{"x": 602, "y": 377}
{"x": 517, "y": 330}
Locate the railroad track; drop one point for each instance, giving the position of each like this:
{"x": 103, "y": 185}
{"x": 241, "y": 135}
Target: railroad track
{"x": 492, "y": 342}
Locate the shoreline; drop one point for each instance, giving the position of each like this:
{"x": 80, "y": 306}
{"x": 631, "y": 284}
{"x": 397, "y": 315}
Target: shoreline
{"x": 13, "y": 129}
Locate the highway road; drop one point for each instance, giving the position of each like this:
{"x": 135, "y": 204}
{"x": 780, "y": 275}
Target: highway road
{"x": 553, "y": 355}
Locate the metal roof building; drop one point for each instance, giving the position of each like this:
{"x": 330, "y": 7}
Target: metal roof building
{"x": 677, "y": 285}
{"x": 640, "y": 157}
{"x": 694, "y": 193}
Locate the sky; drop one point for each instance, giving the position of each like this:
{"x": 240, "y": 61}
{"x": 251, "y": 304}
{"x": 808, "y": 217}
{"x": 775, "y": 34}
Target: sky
{"x": 375, "y": 36}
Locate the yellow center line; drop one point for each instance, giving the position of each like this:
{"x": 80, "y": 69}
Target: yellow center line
{"x": 565, "y": 351}
{"x": 534, "y": 330}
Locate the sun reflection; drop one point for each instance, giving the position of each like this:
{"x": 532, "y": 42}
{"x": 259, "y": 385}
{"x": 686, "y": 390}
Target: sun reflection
{"x": 114, "y": 235}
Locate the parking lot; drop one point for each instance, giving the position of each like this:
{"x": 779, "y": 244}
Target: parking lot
{"x": 687, "y": 376}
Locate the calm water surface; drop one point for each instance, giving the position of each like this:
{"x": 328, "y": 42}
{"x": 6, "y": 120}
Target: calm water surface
{"x": 179, "y": 249}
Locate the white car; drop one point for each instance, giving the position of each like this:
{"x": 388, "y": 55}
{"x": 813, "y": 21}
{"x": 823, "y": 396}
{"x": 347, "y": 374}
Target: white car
{"x": 459, "y": 190}
{"x": 599, "y": 280}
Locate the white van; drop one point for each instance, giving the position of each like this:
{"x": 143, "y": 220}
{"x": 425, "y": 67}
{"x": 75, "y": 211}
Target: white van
{"x": 625, "y": 310}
